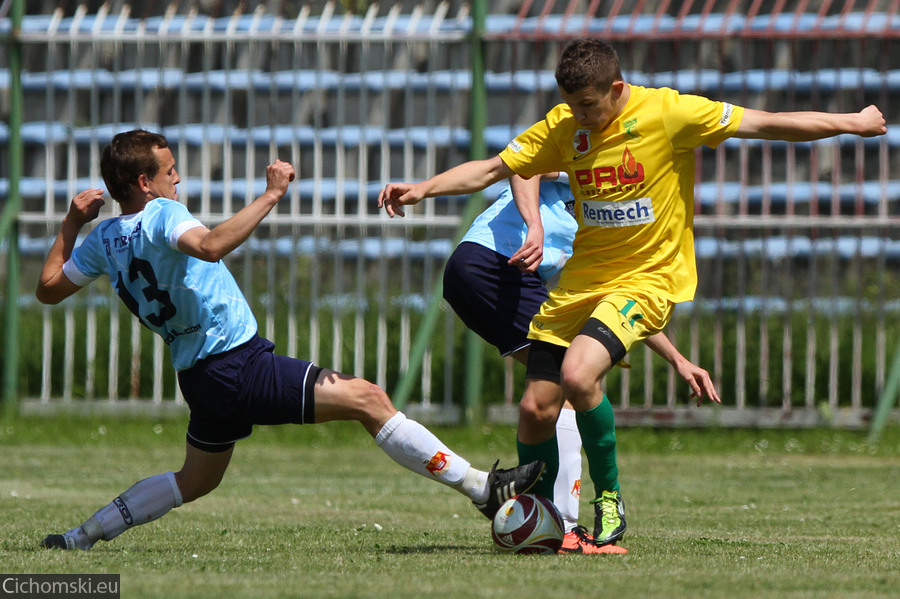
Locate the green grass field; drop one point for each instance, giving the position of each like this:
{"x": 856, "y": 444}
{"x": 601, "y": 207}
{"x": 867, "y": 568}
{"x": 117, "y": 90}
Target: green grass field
{"x": 321, "y": 512}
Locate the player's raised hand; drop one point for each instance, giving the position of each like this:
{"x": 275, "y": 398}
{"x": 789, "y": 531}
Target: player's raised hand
{"x": 278, "y": 175}
{"x": 396, "y": 195}
{"x": 85, "y": 206}
{"x": 872, "y": 122}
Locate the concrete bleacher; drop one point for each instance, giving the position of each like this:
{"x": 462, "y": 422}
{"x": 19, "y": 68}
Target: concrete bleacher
{"x": 365, "y": 119}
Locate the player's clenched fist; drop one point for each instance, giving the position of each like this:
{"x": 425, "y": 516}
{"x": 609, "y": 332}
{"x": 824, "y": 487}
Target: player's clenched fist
{"x": 278, "y": 175}
{"x": 872, "y": 122}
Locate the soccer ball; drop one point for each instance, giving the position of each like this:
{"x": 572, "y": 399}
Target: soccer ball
{"x": 528, "y": 524}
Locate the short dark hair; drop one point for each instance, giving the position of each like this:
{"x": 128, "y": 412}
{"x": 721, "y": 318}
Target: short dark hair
{"x": 587, "y": 62}
{"x": 128, "y": 156}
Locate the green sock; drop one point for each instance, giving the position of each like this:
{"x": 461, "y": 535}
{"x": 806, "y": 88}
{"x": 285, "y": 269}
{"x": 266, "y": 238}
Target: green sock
{"x": 547, "y": 451}
{"x": 597, "y": 427}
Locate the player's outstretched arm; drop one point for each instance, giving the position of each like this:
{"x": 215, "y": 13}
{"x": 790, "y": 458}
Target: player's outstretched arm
{"x": 809, "y": 125}
{"x": 699, "y": 380}
{"x": 467, "y": 177}
{"x": 527, "y": 196}
{"x": 53, "y": 285}
{"x": 213, "y": 245}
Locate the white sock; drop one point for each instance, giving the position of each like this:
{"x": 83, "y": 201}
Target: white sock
{"x": 567, "y": 488}
{"x": 143, "y": 502}
{"x": 416, "y": 448}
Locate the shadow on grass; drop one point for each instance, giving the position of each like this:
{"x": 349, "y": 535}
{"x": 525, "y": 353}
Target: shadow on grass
{"x": 395, "y": 550}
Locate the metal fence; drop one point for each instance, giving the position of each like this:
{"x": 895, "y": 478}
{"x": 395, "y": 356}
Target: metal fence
{"x": 797, "y": 244}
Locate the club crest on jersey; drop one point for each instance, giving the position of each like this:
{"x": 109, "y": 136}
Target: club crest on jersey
{"x": 582, "y": 141}
{"x": 438, "y": 463}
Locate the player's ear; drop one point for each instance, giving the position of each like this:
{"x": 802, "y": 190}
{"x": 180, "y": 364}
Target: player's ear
{"x": 143, "y": 183}
{"x": 617, "y": 89}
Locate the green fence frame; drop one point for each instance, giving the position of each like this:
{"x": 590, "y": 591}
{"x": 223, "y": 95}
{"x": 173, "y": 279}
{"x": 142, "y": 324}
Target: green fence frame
{"x": 473, "y": 405}
{"x": 9, "y": 218}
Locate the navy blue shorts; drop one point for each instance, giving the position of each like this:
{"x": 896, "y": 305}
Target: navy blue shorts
{"x": 493, "y": 298}
{"x": 230, "y": 392}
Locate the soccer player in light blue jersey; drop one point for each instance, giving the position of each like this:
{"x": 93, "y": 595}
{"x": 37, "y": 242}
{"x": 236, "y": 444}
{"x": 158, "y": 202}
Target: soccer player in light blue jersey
{"x": 166, "y": 267}
{"x": 497, "y": 300}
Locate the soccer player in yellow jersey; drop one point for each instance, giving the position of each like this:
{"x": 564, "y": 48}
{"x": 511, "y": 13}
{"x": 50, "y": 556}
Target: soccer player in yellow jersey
{"x": 629, "y": 154}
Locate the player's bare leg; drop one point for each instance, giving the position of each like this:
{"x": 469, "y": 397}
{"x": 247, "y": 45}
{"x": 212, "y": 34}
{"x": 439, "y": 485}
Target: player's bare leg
{"x": 342, "y": 397}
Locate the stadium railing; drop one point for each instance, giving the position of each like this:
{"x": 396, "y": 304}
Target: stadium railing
{"x": 360, "y": 100}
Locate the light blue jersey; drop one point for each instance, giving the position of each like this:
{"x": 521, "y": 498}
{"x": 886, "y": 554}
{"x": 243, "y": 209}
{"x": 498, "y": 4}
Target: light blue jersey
{"x": 194, "y": 305}
{"x": 502, "y": 229}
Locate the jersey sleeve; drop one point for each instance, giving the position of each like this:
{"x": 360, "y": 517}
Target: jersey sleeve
{"x": 694, "y": 121}
{"x": 74, "y": 274}
{"x": 171, "y": 222}
{"x": 534, "y": 152}
{"x": 88, "y": 260}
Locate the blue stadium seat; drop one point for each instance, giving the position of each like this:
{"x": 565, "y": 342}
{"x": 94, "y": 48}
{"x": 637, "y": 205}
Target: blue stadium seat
{"x": 800, "y": 192}
{"x": 703, "y": 81}
{"x": 779, "y": 247}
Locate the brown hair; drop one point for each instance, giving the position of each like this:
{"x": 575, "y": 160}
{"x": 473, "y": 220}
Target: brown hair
{"x": 585, "y": 63}
{"x": 128, "y": 156}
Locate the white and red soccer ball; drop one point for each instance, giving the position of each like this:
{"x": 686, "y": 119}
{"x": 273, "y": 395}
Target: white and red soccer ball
{"x": 528, "y": 524}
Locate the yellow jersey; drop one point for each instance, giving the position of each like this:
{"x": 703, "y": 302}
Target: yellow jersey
{"x": 633, "y": 184}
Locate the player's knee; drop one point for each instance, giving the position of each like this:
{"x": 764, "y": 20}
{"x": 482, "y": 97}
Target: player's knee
{"x": 372, "y": 401}
{"x": 536, "y": 415}
{"x": 577, "y": 384}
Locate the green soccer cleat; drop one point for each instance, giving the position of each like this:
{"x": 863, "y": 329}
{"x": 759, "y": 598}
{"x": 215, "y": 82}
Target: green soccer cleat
{"x": 506, "y": 484}
{"x": 609, "y": 518}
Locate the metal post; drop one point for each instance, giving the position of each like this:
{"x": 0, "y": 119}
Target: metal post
{"x": 473, "y": 406}
{"x": 9, "y": 218}
{"x": 474, "y": 403}
{"x": 886, "y": 400}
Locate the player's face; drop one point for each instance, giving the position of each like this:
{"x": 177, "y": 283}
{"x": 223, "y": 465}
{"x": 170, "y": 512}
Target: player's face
{"x": 592, "y": 108}
{"x": 163, "y": 184}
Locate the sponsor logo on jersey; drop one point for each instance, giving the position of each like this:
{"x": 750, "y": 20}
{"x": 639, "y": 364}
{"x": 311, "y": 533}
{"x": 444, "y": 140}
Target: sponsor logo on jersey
{"x": 438, "y": 463}
{"x": 604, "y": 180}
{"x": 727, "y": 111}
{"x": 624, "y": 213}
{"x": 124, "y": 511}
{"x": 173, "y": 334}
{"x": 120, "y": 243}
{"x": 581, "y": 142}
{"x": 515, "y": 146}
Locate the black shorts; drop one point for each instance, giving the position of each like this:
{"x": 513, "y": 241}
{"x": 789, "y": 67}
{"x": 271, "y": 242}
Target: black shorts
{"x": 230, "y": 392}
{"x": 492, "y": 298}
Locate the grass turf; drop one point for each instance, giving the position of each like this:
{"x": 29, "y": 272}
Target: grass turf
{"x": 321, "y": 512}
